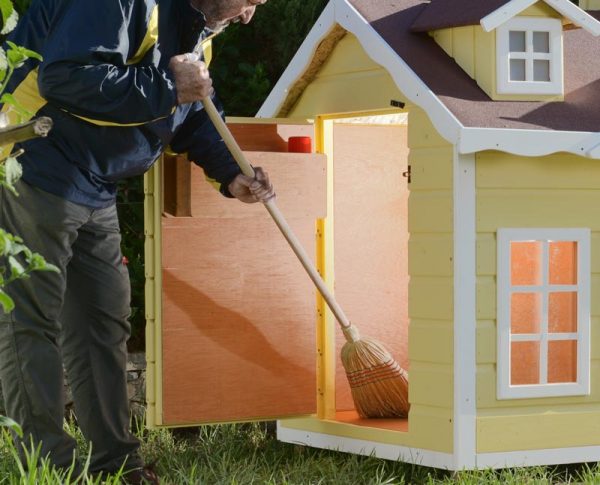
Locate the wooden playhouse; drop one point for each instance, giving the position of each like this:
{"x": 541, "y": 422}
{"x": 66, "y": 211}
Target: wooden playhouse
{"x": 461, "y": 230}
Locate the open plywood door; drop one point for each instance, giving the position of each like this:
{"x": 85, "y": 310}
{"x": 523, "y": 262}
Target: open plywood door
{"x": 233, "y": 320}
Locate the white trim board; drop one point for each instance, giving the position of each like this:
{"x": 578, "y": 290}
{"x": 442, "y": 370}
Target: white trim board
{"x": 553, "y": 456}
{"x": 564, "y": 7}
{"x": 386, "y": 451}
{"x": 529, "y": 143}
{"x": 469, "y": 139}
{"x": 465, "y": 319}
{"x": 436, "y": 459}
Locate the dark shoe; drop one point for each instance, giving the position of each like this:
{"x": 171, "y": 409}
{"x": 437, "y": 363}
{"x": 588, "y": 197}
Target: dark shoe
{"x": 142, "y": 476}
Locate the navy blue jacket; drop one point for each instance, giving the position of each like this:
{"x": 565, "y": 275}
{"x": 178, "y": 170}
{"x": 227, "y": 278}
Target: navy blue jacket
{"x": 105, "y": 83}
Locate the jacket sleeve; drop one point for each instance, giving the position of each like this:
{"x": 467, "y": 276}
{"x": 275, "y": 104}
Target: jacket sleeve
{"x": 86, "y": 71}
{"x": 199, "y": 138}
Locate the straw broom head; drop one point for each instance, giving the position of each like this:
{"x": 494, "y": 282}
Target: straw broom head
{"x": 379, "y": 385}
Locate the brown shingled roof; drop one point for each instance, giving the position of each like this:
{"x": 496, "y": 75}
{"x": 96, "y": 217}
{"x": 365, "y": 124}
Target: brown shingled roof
{"x": 393, "y": 19}
{"x": 441, "y": 14}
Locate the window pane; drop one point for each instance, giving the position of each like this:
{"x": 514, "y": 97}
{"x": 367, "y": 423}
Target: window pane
{"x": 562, "y": 312}
{"x": 517, "y": 69}
{"x": 525, "y": 312}
{"x": 524, "y": 363}
{"x": 541, "y": 70}
{"x": 562, "y": 361}
{"x": 541, "y": 42}
{"x": 525, "y": 263}
{"x": 517, "y": 41}
{"x": 563, "y": 262}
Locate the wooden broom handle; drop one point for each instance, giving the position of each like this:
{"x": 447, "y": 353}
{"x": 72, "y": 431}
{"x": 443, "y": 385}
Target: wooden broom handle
{"x": 276, "y": 214}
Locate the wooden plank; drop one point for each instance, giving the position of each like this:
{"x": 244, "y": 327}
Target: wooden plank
{"x": 432, "y": 428}
{"x": 431, "y": 168}
{"x": 463, "y": 48}
{"x": 430, "y": 211}
{"x": 347, "y": 93}
{"x": 431, "y": 341}
{"x": 432, "y": 384}
{"x": 485, "y": 66}
{"x": 299, "y": 180}
{"x": 538, "y": 430}
{"x": 431, "y": 298}
{"x": 268, "y": 136}
{"x": 497, "y": 170}
{"x": 177, "y": 185}
{"x": 431, "y": 254}
{"x": 487, "y": 250}
{"x": 486, "y": 395}
{"x": 545, "y": 208}
{"x": 371, "y": 238}
{"x": 421, "y": 132}
{"x": 486, "y": 341}
{"x": 486, "y": 298}
{"x": 443, "y": 37}
{"x": 238, "y": 321}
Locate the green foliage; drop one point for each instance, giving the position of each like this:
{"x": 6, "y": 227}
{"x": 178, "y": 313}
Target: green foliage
{"x": 17, "y": 261}
{"x": 10, "y": 424}
{"x": 250, "y": 454}
{"x": 249, "y": 59}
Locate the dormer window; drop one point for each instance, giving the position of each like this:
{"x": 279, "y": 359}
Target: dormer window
{"x": 529, "y": 56}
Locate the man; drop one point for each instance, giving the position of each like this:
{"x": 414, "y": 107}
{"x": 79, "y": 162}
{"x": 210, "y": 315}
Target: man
{"x": 117, "y": 83}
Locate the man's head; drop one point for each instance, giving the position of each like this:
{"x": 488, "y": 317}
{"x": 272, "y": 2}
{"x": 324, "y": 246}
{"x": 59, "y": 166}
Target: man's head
{"x": 220, "y": 13}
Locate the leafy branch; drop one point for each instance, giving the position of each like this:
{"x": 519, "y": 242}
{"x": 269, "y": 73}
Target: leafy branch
{"x": 17, "y": 261}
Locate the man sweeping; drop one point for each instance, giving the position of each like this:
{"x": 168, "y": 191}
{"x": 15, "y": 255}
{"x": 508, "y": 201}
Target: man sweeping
{"x": 117, "y": 83}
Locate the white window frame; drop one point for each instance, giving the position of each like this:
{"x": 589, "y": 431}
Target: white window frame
{"x": 504, "y": 290}
{"x": 555, "y": 56}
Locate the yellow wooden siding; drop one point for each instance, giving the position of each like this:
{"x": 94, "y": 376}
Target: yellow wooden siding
{"x": 485, "y": 60}
{"x": 540, "y": 9}
{"x": 430, "y": 341}
{"x": 590, "y": 4}
{"x": 463, "y": 48}
{"x": 443, "y": 38}
{"x": 431, "y": 255}
{"x": 560, "y": 190}
{"x": 431, "y": 305}
{"x": 348, "y": 82}
{"x": 538, "y": 430}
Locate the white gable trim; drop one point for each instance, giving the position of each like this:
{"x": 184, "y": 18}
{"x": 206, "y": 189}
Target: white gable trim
{"x": 564, "y": 7}
{"x": 344, "y": 14}
{"x": 469, "y": 140}
{"x": 529, "y": 143}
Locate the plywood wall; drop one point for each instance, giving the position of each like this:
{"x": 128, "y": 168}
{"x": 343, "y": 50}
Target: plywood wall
{"x": 238, "y": 320}
{"x": 371, "y": 237}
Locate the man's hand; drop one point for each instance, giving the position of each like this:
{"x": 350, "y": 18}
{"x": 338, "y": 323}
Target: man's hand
{"x": 192, "y": 79}
{"x": 250, "y": 190}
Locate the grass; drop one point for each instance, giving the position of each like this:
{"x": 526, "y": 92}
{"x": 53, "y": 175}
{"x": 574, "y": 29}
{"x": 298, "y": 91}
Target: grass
{"x": 250, "y": 454}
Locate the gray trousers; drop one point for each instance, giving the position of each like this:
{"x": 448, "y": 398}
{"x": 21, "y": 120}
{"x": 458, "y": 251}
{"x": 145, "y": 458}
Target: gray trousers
{"x": 78, "y": 317}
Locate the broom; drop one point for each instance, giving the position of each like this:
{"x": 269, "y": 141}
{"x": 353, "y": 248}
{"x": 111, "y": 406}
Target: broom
{"x": 379, "y": 385}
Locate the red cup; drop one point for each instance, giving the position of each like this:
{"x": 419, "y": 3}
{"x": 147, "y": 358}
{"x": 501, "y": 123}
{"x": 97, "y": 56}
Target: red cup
{"x": 299, "y": 144}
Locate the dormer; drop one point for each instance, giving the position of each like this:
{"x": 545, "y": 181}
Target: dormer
{"x": 513, "y": 49}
